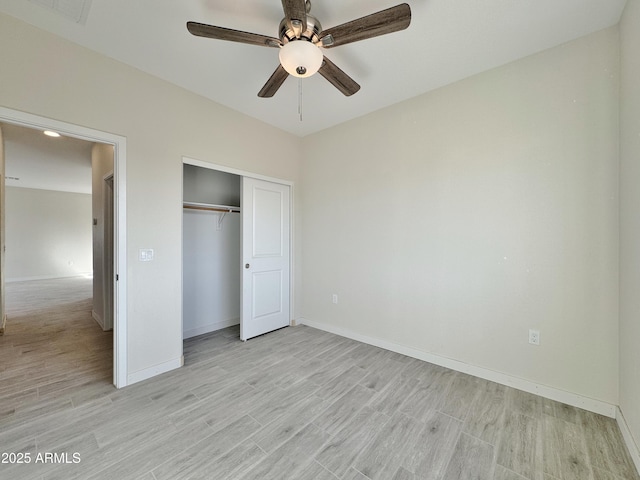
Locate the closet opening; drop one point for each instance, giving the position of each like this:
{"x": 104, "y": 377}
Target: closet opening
{"x": 211, "y": 250}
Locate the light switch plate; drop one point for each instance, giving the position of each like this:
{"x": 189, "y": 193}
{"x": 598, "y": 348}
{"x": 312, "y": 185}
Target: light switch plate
{"x": 145, "y": 254}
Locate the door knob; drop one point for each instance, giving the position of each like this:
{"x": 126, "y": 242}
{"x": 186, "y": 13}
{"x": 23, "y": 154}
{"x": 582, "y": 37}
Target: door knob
{"x": 246, "y": 265}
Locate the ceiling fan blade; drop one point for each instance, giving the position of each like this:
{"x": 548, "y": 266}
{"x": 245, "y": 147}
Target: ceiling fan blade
{"x": 274, "y": 83}
{"x": 338, "y": 78}
{"x": 295, "y": 11}
{"x": 221, "y": 33}
{"x": 385, "y": 21}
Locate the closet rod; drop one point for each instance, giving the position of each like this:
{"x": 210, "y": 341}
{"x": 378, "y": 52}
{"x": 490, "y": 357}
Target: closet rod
{"x": 212, "y": 208}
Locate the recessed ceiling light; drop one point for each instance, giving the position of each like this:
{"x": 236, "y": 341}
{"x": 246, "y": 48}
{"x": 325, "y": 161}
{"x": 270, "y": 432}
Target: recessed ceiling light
{"x": 51, "y": 134}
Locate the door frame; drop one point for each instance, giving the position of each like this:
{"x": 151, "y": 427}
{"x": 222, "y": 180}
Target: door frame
{"x": 119, "y": 144}
{"x": 244, "y": 173}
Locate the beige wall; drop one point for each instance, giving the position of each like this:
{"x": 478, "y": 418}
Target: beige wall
{"x": 45, "y": 75}
{"x": 48, "y": 234}
{"x": 455, "y": 221}
{"x": 630, "y": 218}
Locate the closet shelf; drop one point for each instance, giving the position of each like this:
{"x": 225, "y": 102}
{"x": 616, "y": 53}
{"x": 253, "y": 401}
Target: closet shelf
{"x": 223, "y": 209}
{"x": 211, "y": 207}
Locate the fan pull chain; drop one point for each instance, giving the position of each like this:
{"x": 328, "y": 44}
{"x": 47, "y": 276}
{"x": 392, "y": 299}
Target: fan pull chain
{"x": 300, "y": 98}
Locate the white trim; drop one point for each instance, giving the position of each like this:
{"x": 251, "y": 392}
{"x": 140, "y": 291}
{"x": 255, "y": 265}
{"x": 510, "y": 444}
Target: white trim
{"x": 568, "y": 398}
{"x": 46, "y": 277}
{"x": 292, "y": 238}
{"x": 632, "y": 446}
{"x": 159, "y": 369}
{"x": 235, "y": 171}
{"x": 97, "y": 318}
{"x": 119, "y": 143}
{"x": 67, "y": 129}
{"x": 212, "y": 327}
{"x": 120, "y": 344}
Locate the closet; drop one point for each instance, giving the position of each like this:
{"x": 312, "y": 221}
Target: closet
{"x": 211, "y": 250}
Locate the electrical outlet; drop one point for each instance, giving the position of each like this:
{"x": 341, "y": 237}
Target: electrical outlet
{"x": 334, "y": 298}
{"x": 534, "y": 337}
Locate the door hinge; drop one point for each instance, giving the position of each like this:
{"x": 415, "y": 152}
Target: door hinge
{"x": 117, "y": 277}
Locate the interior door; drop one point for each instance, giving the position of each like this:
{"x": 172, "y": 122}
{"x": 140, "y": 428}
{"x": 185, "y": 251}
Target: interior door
{"x": 265, "y": 257}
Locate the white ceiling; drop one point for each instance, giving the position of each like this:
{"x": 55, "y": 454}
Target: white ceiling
{"x": 37, "y": 161}
{"x": 447, "y": 41}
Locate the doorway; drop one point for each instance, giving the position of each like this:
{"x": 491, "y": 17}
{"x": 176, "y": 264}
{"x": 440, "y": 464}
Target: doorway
{"x": 236, "y": 250}
{"x": 118, "y": 144}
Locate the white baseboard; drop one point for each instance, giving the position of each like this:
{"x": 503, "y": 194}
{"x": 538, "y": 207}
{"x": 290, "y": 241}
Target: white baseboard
{"x": 632, "y": 446}
{"x": 551, "y": 393}
{"x": 97, "y": 318}
{"x": 212, "y": 327}
{"x": 153, "y": 371}
{"x": 47, "y": 277}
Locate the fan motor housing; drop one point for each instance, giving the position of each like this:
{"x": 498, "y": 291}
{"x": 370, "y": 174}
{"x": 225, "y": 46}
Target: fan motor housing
{"x": 312, "y": 33}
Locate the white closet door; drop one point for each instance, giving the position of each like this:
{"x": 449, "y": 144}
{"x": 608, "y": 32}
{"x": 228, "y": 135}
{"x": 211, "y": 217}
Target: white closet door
{"x": 265, "y": 257}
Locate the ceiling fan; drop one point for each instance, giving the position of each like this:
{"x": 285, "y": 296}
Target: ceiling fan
{"x": 301, "y": 39}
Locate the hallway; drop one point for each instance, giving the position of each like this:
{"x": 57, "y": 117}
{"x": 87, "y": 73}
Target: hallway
{"x": 51, "y": 346}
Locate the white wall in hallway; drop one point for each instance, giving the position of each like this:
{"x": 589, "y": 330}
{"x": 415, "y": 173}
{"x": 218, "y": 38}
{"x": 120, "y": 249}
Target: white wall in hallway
{"x": 101, "y": 165}
{"x": 48, "y": 234}
{"x": 630, "y": 220}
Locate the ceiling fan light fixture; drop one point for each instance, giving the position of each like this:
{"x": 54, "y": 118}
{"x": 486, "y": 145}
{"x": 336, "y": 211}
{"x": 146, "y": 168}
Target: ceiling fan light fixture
{"x": 301, "y": 58}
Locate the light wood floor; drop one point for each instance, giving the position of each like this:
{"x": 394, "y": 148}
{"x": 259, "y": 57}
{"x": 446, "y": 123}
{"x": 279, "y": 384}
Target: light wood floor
{"x": 295, "y": 404}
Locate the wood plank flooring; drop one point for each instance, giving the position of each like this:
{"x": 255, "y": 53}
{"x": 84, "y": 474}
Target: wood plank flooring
{"x": 296, "y": 404}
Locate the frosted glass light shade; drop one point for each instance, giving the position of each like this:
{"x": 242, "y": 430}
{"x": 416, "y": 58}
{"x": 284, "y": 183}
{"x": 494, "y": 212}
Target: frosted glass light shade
{"x": 300, "y": 58}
